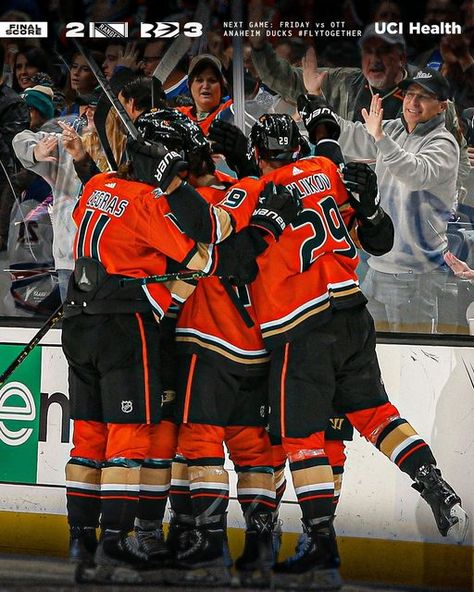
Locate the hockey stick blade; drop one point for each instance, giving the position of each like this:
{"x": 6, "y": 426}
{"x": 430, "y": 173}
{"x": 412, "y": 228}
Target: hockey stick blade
{"x": 174, "y": 53}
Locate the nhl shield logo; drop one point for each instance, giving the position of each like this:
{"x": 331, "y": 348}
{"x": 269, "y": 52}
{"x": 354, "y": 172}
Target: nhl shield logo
{"x": 127, "y": 406}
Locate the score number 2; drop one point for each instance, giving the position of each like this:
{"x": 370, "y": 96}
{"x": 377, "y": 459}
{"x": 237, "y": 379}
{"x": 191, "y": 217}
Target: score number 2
{"x": 75, "y": 29}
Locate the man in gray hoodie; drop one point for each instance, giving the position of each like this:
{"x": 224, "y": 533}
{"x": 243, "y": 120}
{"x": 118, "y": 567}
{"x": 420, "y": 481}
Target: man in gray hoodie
{"x": 416, "y": 164}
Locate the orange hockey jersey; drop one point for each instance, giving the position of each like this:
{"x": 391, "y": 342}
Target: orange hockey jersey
{"x": 313, "y": 265}
{"x": 209, "y": 322}
{"x": 131, "y": 231}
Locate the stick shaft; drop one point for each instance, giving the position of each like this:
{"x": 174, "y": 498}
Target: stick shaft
{"x": 53, "y": 319}
{"x": 167, "y": 277}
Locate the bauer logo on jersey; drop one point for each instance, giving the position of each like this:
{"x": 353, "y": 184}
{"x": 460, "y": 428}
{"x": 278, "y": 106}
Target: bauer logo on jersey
{"x": 127, "y": 406}
{"x": 102, "y": 30}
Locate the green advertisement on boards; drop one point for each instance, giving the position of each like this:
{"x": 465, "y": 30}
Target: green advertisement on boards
{"x": 20, "y": 416}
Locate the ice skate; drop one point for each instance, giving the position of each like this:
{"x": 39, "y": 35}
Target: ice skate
{"x": 117, "y": 561}
{"x": 255, "y": 563}
{"x": 179, "y": 532}
{"x": 315, "y": 565}
{"x": 203, "y": 562}
{"x": 152, "y": 543}
{"x": 82, "y": 544}
{"x": 451, "y": 520}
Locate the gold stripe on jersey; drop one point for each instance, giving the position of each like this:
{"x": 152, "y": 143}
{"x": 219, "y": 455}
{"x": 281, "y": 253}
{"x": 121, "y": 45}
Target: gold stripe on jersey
{"x": 313, "y": 308}
{"x": 180, "y": 290}
{"x": 214, "y": 347}
{"x": 224, "y": 227}
{"x": 201, "y": 258}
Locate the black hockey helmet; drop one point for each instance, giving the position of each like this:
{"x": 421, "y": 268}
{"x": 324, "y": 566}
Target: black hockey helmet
{"x": 276, "y": 136}
{"x": 177, "y": 132}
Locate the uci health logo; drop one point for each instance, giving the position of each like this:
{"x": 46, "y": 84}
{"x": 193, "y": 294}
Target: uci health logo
{"x": 17, "y": 410}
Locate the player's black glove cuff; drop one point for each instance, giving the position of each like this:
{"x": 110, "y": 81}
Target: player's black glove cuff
{"x": 377, "y": 239}
{"x": 316, "y": 112}
{"x": 361, "y": 181}
{"x": 154, "y": 164}
{"x": 228, "y": 139}
{"x": 277, "y": 207}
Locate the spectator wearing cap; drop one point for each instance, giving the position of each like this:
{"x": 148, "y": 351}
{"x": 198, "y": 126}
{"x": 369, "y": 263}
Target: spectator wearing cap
{"x": 40, "y": 102}
{"x": 208, "y": 89}
{"x": 416, "y": 160}
{"x": 46, "y": 153}
{"x": 349, "y": 90}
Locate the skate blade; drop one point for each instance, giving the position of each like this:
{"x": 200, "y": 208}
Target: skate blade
{"x": 199, "y": 576}
{"x": 457, "y": 532}
{"x": 107, "y": 575}
{"x": 256, "y": 579}
{"x": 325, "y": 579}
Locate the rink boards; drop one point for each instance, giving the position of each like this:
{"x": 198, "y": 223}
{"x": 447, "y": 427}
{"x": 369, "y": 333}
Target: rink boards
{"x": 387, "y": 533}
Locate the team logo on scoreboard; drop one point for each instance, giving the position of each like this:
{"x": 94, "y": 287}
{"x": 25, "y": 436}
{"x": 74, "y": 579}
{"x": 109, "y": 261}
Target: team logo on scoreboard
{"x": 167, "y": 30}
{"x": 101, "y": 30}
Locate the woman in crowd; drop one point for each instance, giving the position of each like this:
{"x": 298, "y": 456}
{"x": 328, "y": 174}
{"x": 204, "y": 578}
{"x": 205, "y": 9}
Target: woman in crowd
{"x": 29, "y": 62}
{"x": 208, "y": 91}
{"x": 81, "y": 83}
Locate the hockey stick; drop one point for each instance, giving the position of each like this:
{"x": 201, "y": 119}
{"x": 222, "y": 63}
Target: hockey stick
{"x": 53, "y": 319}
{"x": 238, "y": 93}
{"x": 175, "y": 52}
{"x": 105, "y": 86}
{"x": 167, "y": 277}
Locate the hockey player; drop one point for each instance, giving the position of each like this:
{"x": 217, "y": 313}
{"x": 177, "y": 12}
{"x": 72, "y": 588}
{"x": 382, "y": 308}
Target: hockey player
{"x": 110, "y": 339}
{"x": 308, "y": 300}
{"x": 217, "y": 343}
{"x": 322, "y": 342}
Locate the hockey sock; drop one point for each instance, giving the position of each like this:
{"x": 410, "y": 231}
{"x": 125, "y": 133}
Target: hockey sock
{"x": 180, "y": 494}
{"x": 404, "y": 447}
{"x": 120, "y": 488}
{"x": 393, "y": 436}
{"x": 83, "y": 491}
{"x": 314, "y": 487}
{"x": 255, "y": 490}
{"x": 155, "y": 475}
{"x": 335, "y": 450}
{"x": 209, "y": 487}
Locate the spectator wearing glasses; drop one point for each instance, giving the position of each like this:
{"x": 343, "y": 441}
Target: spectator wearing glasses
{"x": 176, "y": 84}
{"x": 416, "y": 162}
{"x": 349, "y": 90}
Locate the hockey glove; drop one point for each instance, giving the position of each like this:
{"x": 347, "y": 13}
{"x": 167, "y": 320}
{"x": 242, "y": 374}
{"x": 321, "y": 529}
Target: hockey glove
{"x": 277, "y": 207}
{"x": 361, "y": 181}
{"x": 154, "y": 164}
{"x": 229, "y": 140}
{"x": 316, "y": 113}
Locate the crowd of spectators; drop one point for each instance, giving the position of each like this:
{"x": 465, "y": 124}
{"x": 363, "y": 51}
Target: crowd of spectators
{"x": 46, "y": 81}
